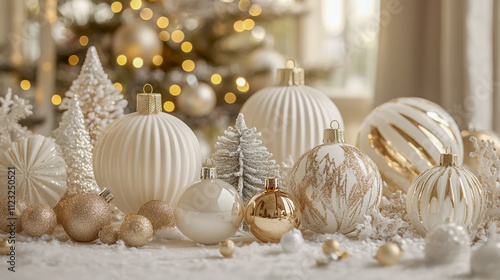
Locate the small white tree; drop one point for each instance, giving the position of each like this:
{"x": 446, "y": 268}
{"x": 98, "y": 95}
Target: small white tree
{"x": 74, "y": 140}
{"x": 12, "y": 110}
{"x": 242, "y": 161}
{"x": 100, "y": 101}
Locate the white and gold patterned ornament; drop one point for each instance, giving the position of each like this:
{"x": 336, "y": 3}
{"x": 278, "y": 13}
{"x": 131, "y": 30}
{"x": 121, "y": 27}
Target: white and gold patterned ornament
{"x": 445, "y": 192}
{"x": 336, "y": 185}
{"x": 289, "y": 114}
{"x": 210, "y": 210}
{"x": 39, "y": 169}
{"x": 146, "y": 155}
{"x": 405, "y": 136}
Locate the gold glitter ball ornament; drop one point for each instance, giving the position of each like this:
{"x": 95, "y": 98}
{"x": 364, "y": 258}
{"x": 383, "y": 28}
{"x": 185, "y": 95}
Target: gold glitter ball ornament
{"x": 108, "y": 235}
{"x": 226, "y": 248}
{"x": 388, "y": 254}
{"x": 336, "y": 184}
{"x": 85, "y": 215}
{"x": 38, "y": 219}
{"x": 159, "y": 213}
{"x": 5, "y": 246}
{"x": 8, "y": 210}
{"x": 60, "y": 206}
{"x": 272, "y": 213}
{"x": 136, "y": 231}
{"x": 331, "y": 246}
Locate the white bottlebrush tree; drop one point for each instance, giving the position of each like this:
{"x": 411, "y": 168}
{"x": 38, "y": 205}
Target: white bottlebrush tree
{"x": 242, "y": 161}
{"x": 74, "y": 140}
{"x": 100, "y": 101}
{"x": 13, "y": 109}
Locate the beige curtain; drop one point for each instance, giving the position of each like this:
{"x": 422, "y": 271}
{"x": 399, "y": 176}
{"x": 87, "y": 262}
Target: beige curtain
{"x": 447, "y": 51}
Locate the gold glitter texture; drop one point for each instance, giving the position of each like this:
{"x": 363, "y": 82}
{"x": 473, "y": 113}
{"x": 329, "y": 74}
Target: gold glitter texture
{"x": 136, "y": 231}
{"x": 159, "y": 213}
{"x": 85, "y": 215}
{"x": 108, "y": 235}
{"x": 38, "y": 219}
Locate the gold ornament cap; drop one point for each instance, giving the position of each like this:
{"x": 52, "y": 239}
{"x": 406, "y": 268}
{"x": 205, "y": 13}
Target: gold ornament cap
{"x": 208, "y": 172}
{"x": 272, "y": 183}
{"x": 107, "y": 195}
{"x": 148, "y": 103}
{"x": 333, "y": 135}
{"x": 290, "y": 75}
{"x": 448, "y": 158}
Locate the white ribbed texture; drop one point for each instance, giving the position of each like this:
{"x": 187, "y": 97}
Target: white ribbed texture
{"x": 146, "y": 157}
{"x": 290, "y": 118}
{"x": 415, "y": 132}
{"x": 445, "y": 192}
{"x": 40, "y": 170}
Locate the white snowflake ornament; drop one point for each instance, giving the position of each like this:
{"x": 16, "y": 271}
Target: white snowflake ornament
{"x": 13, "y": 109}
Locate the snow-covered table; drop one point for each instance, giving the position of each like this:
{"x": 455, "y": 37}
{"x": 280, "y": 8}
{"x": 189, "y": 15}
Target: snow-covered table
{"x": 171, "y": 256}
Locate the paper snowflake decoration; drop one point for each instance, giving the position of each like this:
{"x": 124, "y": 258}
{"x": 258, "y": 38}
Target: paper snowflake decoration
{"x": 12, "y": 110}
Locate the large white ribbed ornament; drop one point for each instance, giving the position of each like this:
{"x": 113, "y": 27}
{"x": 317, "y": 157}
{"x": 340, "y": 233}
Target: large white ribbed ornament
{"x": 405, "y": 137}
{"x": 445, "y": 192}
{"x": 336, "y": 185}
{"x": 146, "y": 155}
{"x": 290, "y": 115}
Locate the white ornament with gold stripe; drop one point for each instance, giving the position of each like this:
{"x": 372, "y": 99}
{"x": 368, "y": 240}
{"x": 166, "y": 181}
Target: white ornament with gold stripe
{"x": 405, "y": 137}
{"x": 147, "y": 155}
{"x": 445, "y": 192}
{"x": 336, "y": 185}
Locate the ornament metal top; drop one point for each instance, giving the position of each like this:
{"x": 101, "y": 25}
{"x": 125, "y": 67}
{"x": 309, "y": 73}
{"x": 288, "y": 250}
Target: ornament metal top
{"x": 148, "y": 102}
{"x": 290, "y": 75}
{"x": 272, "y": 213}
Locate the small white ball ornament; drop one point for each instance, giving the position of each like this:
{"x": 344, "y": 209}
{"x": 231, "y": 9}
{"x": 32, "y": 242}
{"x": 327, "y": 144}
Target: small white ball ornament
{"x": 405, "y": 136}
{"x": 336, "y": 185}
{"x": 147, "y": 155}
{"x": 447, "y": 243}
{"x": 210, "y": 210}
{"x": 289, "y": 114}
{"x": 292, "y": 241}
{"x": 442, "y": 192}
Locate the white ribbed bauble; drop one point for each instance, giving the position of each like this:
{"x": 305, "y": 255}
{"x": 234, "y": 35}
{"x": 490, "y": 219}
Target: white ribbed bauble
{"x": 147, "y": 155}
{"x": 336, "y": 185}
{"x": 445, "y": 192}
{"x": 290, "y": 116}
{"x": 405, "y": 137}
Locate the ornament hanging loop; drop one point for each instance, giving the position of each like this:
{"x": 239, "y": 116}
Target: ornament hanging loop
{"x": 209, "y": 163}
{"x": 271, "y": 183}
{"x": 146, "y": 86}
{"x": 334, "y": 121}
{"x": 333, "y": 135}
{"x": 448, "y": 158}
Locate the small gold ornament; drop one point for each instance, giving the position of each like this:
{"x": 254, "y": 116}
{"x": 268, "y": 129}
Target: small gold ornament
{"x": 5, "y": 214}
{"x": 85, "y": 215}
{"x": 108, "y": 235}
{"x": 471, "y": 162}
{"x": 159, "y": 213}
{"x": 5, "y": 246}
{"x": 388, "y": 254}
{"x": 136, "y": 231}
{"x": 38, "y": 219}
{"x": 272, "y": 213}
{"x": 226, "y": 248}
{"x": 331, "y": 246}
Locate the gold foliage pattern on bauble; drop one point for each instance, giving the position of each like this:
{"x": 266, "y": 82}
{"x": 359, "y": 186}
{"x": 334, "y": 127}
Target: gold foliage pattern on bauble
{"x": 85, "y": 215}
{"x": 38, "y": 219}
{"x": 336, "y": 186}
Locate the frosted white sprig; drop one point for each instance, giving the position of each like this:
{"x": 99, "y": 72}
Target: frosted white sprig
{"x": 12, "y": 110}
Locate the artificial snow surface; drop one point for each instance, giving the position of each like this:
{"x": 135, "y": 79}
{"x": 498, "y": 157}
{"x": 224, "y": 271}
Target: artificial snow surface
{"x": 171, "y": 256}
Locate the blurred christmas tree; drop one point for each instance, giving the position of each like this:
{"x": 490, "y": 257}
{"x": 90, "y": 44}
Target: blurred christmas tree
{"x": 205, "y": 57}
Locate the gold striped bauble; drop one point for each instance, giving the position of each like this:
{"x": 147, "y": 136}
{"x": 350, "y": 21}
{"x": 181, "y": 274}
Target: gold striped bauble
{"x": 445, "y": 192}
{"x": 405, "y": 137}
